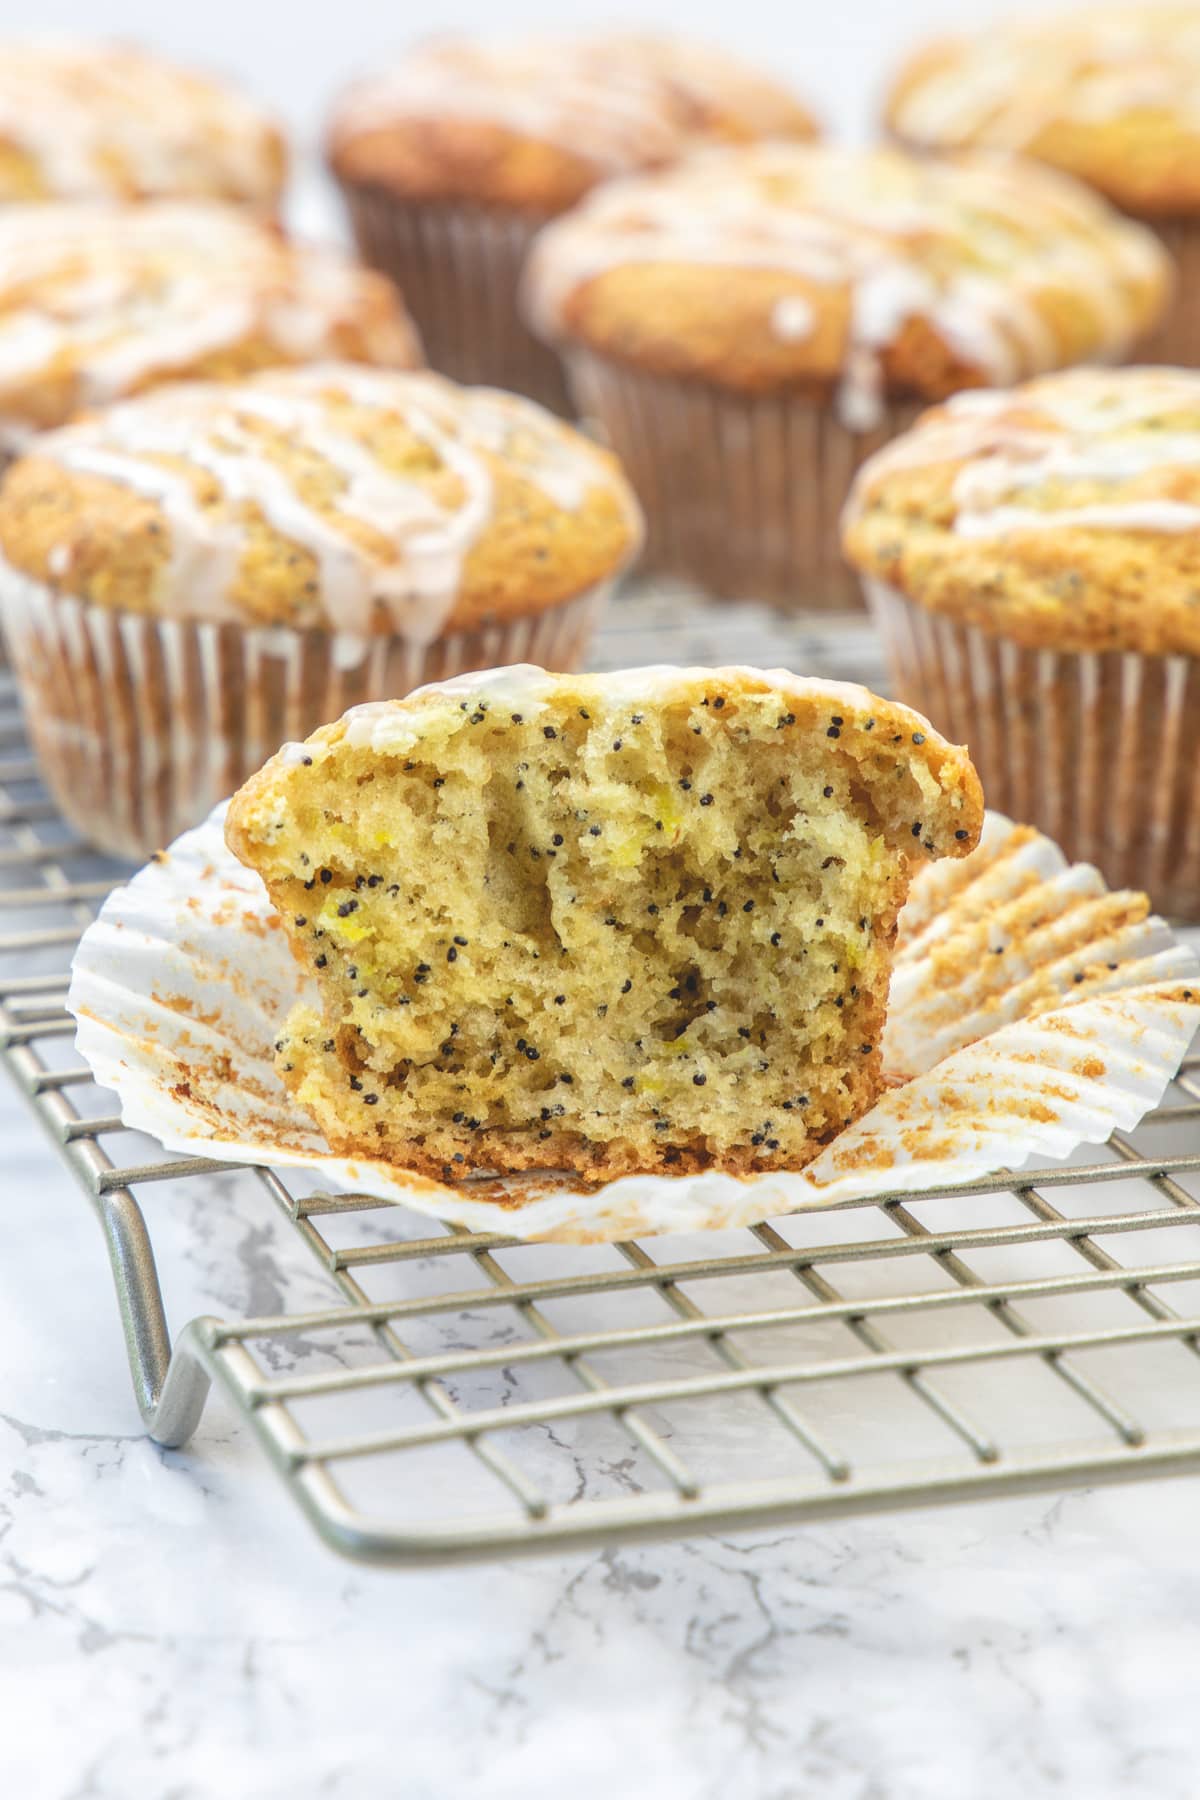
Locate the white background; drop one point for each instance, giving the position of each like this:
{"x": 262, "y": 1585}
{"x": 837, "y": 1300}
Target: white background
{"x": 294, "y": 56}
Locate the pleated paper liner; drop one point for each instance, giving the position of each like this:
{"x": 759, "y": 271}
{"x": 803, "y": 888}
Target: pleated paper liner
{"x": 1177, "y": 340}
{"x": 458, "y": 267}
{"x": 742, "y": 492}
{"x": 142, "y": 724}
{"x": 1099, "y": 749}
{"x": 1070, "y": 1025}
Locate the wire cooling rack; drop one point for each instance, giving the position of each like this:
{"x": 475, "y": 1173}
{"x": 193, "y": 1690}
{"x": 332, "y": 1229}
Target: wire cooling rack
{"x": 457, "y": 1395}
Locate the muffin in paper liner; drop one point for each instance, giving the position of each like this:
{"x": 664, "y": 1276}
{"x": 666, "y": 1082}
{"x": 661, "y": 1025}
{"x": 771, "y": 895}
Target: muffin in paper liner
{"x": 1098, "y": 748}
{"x": 141, "y": 724}
{"x": 742, "y": 492}
{"x": 1073, "y": 1029}
{"x": 459, "y": 266}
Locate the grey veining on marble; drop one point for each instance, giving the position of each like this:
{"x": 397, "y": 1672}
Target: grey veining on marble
{"x": 170, "y": 1629}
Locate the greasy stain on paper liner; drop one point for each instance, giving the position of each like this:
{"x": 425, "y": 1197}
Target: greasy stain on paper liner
{"x": 1032, "y": 1010}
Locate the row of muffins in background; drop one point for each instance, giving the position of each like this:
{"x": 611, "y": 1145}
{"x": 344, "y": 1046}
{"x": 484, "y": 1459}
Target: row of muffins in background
{"x": 197, "y": 578}
{"x": 745, "y": 324}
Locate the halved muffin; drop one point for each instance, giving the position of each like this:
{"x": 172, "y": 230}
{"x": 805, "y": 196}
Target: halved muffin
{"x": 635, "y": 922}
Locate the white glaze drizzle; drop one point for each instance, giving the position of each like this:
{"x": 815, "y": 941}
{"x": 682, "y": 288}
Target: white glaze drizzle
{"x": 969, "y": 246}
{"x": 1003, "y": 86}
{"x": 120, "y": 297}
{"x": 104, "y": 121}
{"x": 410, "y": 567}
{"x": 1117, "y": 430}
{"x": 619, "y": 101}
{"x": 384, "y": 725}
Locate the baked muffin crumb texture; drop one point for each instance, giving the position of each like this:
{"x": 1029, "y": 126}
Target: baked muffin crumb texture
{"x": 615, "y": 923}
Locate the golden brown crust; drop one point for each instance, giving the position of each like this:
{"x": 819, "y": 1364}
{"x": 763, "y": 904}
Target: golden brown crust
{"x": 793, "y": 266}
{"x": 1065, "y": 515}
{"x": 467, "y": 160}
{"x": 516, "y": 511}
{"x": 533, "y": 124}
{"x": 1108, "y": 95}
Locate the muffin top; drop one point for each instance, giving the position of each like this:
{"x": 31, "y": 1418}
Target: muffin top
{"x": 1065, "y": 514}
{"x": 93, "y": 121}
{"x": 874, "y": 272}
{"x": 359, "y": 500}
{"x": 534, "y": 122}
{"x": 101, "y": 301}
{"x": 1111, "y": 94}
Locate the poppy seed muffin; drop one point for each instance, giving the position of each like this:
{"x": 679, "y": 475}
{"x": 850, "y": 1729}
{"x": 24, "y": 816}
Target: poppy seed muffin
{"x": 96, "y": 121}
{"x": 622, "y": 923}
{"x": 1033, "y": 559}
{"x": 1111, "y": 95}
{"x": 751, "y": 324}
{"x": 452, "y": 157}
{"x": 98, "y": 302}
{"x": 197, "y": 574}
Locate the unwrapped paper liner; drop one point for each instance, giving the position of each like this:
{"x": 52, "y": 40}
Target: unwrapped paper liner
{"x": 1031, "y": 1013}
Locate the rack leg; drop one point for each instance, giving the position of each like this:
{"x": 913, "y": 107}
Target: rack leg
{"x": 170, "y": 1391}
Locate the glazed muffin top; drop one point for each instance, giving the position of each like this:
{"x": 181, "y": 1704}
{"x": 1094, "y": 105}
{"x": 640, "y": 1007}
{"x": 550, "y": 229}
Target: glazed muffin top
{"x": 535, "y": 122}
{"x": 97, "y": 302}
{"x": 1065, "y": 514}
{"x": 1111, "y": 95}
{"x": 359, "y": 500}
{"x": 95, "y": 121}
{"x": 874, "y": 272}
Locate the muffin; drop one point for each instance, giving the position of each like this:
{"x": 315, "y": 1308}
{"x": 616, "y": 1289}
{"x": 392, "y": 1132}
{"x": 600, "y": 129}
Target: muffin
{"x": 746, "y": 328}
{"x": 195, "y": 575}
{"x": 451, "y": 159}
{"x": 1033, "y": 561}
{"x": 97, "y": 302}
{"x": 1109, "y": 95}
{"x": 97, "y": 121}
{"x": 618, "y": 924}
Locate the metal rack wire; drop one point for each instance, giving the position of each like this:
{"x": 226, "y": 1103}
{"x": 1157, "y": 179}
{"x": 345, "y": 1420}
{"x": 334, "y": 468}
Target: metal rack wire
{"x": 463, "y": 1396}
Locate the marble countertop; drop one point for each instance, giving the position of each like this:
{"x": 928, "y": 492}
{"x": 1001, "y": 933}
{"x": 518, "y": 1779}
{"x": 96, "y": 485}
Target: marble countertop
{"x": 170, "y": 1626}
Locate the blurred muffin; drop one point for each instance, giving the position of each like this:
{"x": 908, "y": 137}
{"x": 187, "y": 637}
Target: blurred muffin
{"x": 1111, "y": 95}
{"x": 98, "y": 121}
{"x": 1033, "y": 560}
{"x": 748, "y": 326}
{"x": 453, "y": 157}
{"x": 194, "y": 576}
{"x": 98, "y": 302}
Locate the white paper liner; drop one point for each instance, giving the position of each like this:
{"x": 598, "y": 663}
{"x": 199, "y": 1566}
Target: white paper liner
{"x": 742, "y": 492}
{"x": 180, "y": 986}
{"x": 458, "y": 265}
{"x": 1097, "y": 748}
{"x": 1177, "y": 339}
{"x": 142, "y": 724}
